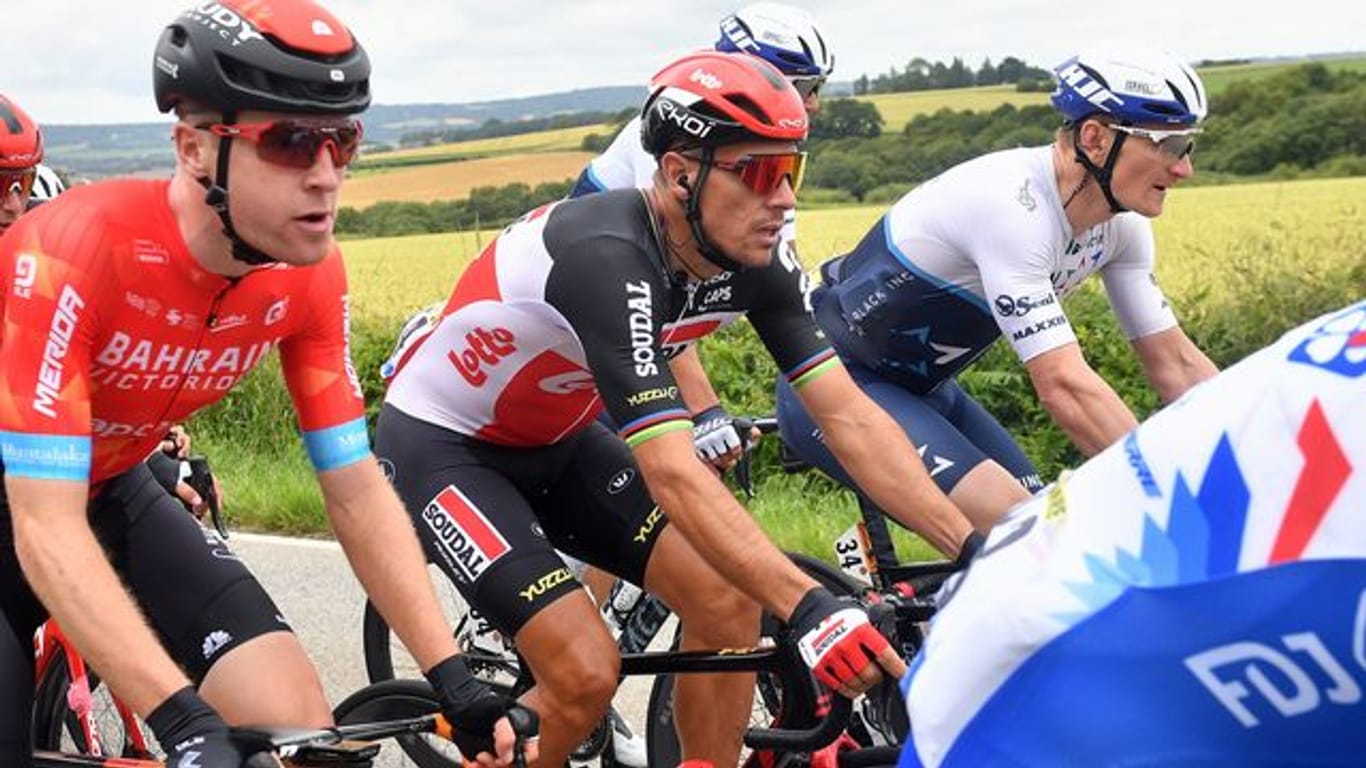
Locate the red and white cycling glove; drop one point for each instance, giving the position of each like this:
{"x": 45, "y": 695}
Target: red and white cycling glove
{"x": 835, "y": 639}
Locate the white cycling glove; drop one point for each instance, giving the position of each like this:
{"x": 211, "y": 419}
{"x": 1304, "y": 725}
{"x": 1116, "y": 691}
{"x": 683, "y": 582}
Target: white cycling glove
{"x": 714, "y": 433}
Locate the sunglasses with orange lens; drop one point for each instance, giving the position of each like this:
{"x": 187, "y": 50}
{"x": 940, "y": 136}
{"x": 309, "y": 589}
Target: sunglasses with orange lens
{"x": 296, "y": 143}
{"x": 763, "y": 173}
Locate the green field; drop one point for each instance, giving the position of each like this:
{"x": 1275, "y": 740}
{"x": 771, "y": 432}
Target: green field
{"x": 897, "y": 109}
{"x": 1218, "y": 78}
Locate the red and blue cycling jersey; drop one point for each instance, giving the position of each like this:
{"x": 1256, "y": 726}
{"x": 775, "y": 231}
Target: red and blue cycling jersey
{"x": 113, "y": 332}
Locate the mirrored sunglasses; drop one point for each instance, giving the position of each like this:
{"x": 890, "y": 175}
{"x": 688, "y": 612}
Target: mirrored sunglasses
{"x": 1176, "y": 143}
{"x": 296, "y": 143}
{"x": 763, "y": 173}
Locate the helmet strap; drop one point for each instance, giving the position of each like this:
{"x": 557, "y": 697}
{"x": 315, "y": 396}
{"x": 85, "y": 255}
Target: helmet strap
{"x": 709, "y": 250}
{"x": 1102, "y": 173}
{"x": 216, "y": 197}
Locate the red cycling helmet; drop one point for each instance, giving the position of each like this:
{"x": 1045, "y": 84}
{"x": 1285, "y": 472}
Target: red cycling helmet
{"x": 21, "y": 143}
{"x": 269, "y": 55}
{"x": 709, "y": 99}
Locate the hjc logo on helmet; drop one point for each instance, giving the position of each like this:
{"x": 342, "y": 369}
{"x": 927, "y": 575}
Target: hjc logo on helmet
{"x": 224, "y": 21}
{"x": 1081, "y": 81}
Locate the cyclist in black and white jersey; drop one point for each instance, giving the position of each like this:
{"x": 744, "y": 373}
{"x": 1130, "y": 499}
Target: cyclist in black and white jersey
{"x": 989, "y": 248}
{"x": 789, "y": 39}
{"x": 489, "y": 422}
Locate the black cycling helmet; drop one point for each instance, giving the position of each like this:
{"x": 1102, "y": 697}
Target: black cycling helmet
{"x": 270, "y": 55}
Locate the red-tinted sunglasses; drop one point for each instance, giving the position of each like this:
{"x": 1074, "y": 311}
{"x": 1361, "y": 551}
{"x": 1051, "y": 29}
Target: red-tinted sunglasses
{"x": 763, "y": 173}
{"x": 20, "y": 182}
{"x": 296, "y": 143}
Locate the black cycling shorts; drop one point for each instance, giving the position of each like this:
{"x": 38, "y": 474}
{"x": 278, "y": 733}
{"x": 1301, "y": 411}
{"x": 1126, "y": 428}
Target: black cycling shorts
{"x": 198, "y": 597}
{"x": 491, "y": 516}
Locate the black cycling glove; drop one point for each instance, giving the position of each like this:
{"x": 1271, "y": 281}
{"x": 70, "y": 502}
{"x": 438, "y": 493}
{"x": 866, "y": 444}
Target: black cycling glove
{"x": 193, "y": 735}
{"x": 472, "y": 707}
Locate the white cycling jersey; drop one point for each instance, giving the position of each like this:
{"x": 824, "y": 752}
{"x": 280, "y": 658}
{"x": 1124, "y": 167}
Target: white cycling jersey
{"x": 626, "y": 164}
{"x": 982, "y": 250}
{"x": 1195, "y": 594}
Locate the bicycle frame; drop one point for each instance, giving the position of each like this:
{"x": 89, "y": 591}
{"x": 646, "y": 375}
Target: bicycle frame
{"x": 50, "y": 641}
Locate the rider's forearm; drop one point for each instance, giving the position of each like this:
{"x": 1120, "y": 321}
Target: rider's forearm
{"x": 884, "y": 463}
{"x": 378, "y": 538}
{"x": 693, "y": 385}
{"x": 68, "y": 571}
{"x": 1174, "y": 380}
{"x": 1089, "y": 411}
{"x": 701, "y": 508}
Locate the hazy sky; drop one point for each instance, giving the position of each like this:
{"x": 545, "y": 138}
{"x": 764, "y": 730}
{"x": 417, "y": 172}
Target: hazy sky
{"x": 77, "y": 61}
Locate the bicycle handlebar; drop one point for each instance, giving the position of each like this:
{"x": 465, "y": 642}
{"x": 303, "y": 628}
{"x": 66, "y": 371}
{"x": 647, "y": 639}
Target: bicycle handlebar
{"x": 807, "y": 739}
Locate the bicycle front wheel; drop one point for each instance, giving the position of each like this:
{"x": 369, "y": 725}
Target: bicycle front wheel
{"x": 57, "y": 727}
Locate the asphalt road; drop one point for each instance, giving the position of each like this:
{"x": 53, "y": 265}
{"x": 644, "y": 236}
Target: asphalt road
{"x": 313, "y": 585}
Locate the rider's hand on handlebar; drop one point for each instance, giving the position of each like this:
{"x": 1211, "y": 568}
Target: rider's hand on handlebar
{"x": 717, "y": 439}
{"x": 192, "y": 734}
{"x": 481, "y": 718}
{"x": 843, "y": 650}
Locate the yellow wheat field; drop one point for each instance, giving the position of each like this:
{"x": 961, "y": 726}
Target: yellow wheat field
{"x": 454, "y": 180}
{"x": 557, "y": 140}
{"x": 1210, "y": 241}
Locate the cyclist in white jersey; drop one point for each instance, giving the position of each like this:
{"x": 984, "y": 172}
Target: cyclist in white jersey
{"x": 990, "y": 247}
{"x": 789, "y": 39}
{"x": 1193, "y": 595}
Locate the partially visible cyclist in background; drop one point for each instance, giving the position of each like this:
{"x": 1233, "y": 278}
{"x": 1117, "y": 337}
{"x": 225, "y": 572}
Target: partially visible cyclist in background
{"x": 989, "y": 248}
{"x": 21, "y": 150}
{"x": 46, "y": 186}
{"x": 1193, "y": 595}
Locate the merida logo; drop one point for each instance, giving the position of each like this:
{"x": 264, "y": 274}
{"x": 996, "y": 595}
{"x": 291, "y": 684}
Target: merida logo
{"x": 69, "y": 305}
{"x": 642, "y": 327}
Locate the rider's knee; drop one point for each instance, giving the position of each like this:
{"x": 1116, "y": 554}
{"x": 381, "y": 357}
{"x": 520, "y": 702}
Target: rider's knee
{"x": 722, "y": 609}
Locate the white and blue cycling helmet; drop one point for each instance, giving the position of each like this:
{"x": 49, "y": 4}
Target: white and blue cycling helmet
{"x": 1134, "y": 86}
{"x": 784, "y": 36}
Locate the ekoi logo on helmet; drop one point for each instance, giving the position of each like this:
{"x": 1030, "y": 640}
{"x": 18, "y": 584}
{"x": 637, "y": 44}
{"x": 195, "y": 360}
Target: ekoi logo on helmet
{"x": 686, "y": 121}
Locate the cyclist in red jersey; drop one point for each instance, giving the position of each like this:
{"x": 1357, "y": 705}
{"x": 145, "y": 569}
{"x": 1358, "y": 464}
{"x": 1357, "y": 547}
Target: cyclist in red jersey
{"x": 21, "y": 149}
{"x": 489, "y": 422}
{"x": 130, "y": 304}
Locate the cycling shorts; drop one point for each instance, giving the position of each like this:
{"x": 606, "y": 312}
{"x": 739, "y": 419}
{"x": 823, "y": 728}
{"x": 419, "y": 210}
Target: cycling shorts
{"x": 492, "y": 516}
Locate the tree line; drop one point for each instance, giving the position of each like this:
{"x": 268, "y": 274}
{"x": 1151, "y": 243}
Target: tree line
{"x": 922, "y": 75}
{"x": 1305, "y": 121}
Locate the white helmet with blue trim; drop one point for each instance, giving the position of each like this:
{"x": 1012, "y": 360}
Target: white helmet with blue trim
{"x": 1135, "y": 86}
{"x": 784, "y": 36}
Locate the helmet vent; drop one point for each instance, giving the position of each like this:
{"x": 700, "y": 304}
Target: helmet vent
{"x": 745, "y": 103}
{"x": 255, "y": 79}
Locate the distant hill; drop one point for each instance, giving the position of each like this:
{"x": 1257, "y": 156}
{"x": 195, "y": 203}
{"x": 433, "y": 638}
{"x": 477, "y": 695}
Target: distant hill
{"x": 93, "y": 151}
